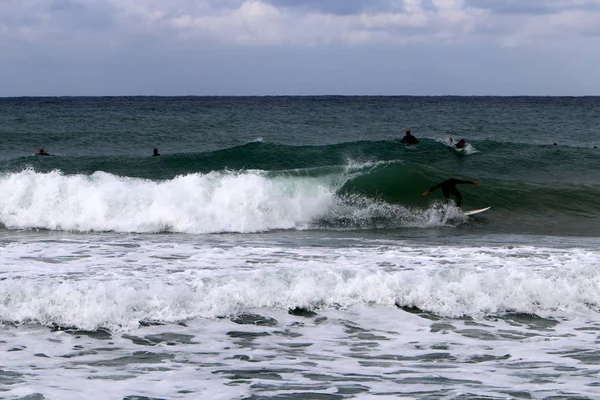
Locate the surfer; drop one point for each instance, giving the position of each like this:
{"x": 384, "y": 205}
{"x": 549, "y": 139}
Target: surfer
{"x": 155, "y": 152}
{"x": 461, "y": 143}
{"x": 409, "y": 138}
{"x": 42, "y": 153}
{"x": 449, "y": 187}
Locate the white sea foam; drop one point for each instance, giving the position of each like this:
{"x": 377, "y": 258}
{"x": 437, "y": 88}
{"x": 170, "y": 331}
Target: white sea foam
{"x": 113, "y": 281}
{"x": 195, "y": 203}
{"x": 76, "y": 284}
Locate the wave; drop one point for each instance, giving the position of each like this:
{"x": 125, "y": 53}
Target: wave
{"x": 354, "y": 185}
{"x": 216, "y": 202}
{"x": 194, "y": 203}
{"x": 121, "y": 303}
{"x": 488, "y": 159}
{"x": 255, "y": 155}
{"x": 355, "y": 196}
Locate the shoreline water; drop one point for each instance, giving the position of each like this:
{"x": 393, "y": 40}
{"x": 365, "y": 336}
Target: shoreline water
{"x": 297, "y": 315}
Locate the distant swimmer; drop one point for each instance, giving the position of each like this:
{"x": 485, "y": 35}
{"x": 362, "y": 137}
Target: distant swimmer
{"x": 461, "y": 143}
{"x": 448, "y": 188}
{"x": 43, "y": 153}
{"x": 409, "y": 138}
{"x": 155, "y": 152}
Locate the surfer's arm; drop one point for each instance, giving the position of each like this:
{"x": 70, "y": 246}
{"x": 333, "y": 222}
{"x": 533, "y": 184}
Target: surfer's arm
{"x": 469, "y": 182}
{"x": 432, "y": 189}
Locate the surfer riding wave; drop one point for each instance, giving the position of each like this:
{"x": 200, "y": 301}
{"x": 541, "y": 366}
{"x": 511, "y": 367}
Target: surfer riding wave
{"x": 449, "y": 188}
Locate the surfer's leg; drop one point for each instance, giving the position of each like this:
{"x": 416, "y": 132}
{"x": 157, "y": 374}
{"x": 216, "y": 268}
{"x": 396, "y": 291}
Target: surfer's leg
{"x": 458, "y": 196}
{"x": 446, "y": 194}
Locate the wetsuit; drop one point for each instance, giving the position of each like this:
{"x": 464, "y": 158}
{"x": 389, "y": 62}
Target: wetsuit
{"x": 409, "y": 139}
{"x": 448, "y": 188}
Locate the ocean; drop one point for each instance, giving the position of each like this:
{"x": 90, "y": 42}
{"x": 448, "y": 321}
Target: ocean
{"x": 281, "y": 248}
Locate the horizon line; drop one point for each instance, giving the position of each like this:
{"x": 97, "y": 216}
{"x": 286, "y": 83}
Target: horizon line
{"x": 292, "y": 95}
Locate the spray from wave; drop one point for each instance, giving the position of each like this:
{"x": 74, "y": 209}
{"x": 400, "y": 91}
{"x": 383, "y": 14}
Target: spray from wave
{"x": 194, "y": 203}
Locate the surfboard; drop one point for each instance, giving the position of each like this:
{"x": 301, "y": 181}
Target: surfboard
{"x": 480, "y": 210}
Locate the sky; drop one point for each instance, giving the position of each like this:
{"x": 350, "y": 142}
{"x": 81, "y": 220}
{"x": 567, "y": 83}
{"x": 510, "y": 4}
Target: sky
{"x": 299, "y": 47}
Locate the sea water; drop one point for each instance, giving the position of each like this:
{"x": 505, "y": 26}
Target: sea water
{"x": 280, "y": 248}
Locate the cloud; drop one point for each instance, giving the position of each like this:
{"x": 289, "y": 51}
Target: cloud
{"x": 288, "y": 22}
{"x": 53, "y": 22}
{"x": 327, "y": 46}
{"x": 301, "y": 22}
{"x": 534, "y": 7}
{"x": 348, "y": 7}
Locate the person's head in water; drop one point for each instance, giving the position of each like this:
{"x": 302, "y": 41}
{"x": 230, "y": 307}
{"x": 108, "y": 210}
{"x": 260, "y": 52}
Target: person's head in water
{"x": 43, "y": 152}
{"x": 461, "y": 143}
{"x": 155, "y": 152}
{"x": 409, "y": 138}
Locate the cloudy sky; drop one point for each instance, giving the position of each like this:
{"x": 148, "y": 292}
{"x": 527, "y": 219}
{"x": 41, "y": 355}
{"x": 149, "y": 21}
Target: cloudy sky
{"x": 299, "y": 47}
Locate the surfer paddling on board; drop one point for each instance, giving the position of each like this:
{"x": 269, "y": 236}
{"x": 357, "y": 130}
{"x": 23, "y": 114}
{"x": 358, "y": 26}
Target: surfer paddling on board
{"x": 449, "y": 188}
{"x": 409, "y": 138}
{"x": 460, "y": 144}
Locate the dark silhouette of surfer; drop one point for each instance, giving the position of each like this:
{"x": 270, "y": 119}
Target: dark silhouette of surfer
{"x": 460, "y": 144}
{"x": 43, "y": 153}
{"x": 449, "y": 188}
{"x": 409, "y": 138}
{"x": 155, "y": 152}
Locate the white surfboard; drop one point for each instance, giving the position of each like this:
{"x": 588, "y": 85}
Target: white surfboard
{"x": 476, "y": 211}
